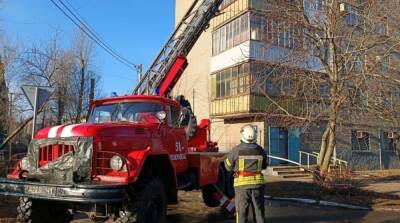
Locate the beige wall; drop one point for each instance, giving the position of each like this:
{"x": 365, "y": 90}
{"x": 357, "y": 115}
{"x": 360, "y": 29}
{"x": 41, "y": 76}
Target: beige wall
{"x": 228, "y": 134}
{"x": 197, "y": 77}
{"x": 194, "y": 82}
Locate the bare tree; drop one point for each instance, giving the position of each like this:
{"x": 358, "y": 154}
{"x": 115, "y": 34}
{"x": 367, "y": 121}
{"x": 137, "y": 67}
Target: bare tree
{"x": 66, "y": 70}
{"x": 49, "y": 66}
{"x": 8, "y": 54}
{"x": 83, "y": 53}
{"x": 334, "y": 61}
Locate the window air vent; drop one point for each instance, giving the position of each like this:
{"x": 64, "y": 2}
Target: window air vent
{"x": 392, "y": 135}
{"x": 361, "y": 134}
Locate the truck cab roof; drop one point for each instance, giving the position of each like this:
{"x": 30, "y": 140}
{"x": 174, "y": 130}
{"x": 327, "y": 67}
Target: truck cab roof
{"x": 129, "y": 98}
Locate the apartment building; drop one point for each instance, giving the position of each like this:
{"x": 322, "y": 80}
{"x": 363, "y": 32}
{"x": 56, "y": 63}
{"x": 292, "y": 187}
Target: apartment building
{"x": 244, "y": 41}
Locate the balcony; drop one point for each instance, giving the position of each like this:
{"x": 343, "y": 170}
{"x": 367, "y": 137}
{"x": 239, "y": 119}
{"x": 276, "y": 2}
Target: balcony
{"x": 250, "y": 104}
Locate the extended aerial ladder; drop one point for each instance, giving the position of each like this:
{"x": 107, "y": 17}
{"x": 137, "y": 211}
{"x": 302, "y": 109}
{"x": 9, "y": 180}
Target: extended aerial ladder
{"x": 168, "y": 66}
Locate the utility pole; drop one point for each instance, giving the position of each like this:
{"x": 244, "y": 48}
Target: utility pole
{"x": 91, "y": 93}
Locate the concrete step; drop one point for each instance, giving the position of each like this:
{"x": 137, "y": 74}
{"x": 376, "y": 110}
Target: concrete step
{"x": 285, "y": 168}
{"x": 289, "y": 172}
{"x": 304, "y": 175}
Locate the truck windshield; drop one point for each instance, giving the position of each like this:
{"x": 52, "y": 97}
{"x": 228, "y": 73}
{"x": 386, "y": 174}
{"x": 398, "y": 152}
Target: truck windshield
{"x": 125, "y": 112}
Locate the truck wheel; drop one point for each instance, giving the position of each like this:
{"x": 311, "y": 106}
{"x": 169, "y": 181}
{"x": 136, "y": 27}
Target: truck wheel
{"x": 31, "y": 211}
{"x": 146, "y": 205}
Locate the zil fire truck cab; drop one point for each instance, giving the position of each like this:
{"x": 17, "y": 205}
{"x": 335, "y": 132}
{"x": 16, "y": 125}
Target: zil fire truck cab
{"x": 128, "y": 162}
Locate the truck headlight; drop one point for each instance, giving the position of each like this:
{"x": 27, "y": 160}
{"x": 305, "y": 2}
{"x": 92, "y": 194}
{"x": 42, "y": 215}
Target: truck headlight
{"x": 116, "y": 163}
{"x": 24, "y": 163}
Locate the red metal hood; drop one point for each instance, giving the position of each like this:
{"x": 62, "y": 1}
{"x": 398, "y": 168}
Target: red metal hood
{"x": 104, "y": 129}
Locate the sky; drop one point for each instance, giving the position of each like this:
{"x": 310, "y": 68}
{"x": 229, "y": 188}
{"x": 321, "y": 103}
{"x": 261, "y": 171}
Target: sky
{"x": 137, "y": 29}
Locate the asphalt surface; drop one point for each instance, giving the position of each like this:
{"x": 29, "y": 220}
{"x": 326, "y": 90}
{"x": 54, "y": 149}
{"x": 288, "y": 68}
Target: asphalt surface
{"x": 192, "y": 210}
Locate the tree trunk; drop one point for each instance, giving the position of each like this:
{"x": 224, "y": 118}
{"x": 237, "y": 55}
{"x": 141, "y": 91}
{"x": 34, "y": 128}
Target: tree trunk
{"x": 330, "y": 147}
{"x": 61, "y": 107}
{"x": 329, "y": 137}
{"x": 322, "y": 149}
{"x": 81, "y": 94}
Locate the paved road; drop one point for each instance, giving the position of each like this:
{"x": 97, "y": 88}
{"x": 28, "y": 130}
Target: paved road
{"x": 192, "y": 210}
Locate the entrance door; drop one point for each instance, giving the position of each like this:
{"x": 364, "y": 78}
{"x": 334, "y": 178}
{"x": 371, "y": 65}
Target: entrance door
{"x": 294, "y": 144}
{"x": 274, "y": 144}
{"x": 387, "y": 150}
{"x": 284, "y": 143}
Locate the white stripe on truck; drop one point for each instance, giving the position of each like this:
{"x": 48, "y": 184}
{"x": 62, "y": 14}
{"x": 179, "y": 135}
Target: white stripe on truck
{"x": 67, "y": 131}
{"x": 53, "y": 131}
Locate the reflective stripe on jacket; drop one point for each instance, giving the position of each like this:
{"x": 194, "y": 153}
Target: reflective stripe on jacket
{"x": 247, "y": 160}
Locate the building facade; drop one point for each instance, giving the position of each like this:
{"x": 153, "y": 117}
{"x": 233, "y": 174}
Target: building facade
{"x": 244, "y": 41}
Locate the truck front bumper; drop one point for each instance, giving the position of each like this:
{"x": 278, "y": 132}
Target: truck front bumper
{"x": 81, "y": 193}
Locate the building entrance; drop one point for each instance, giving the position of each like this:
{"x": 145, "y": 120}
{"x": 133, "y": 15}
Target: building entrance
{"x": 284, "y": 143}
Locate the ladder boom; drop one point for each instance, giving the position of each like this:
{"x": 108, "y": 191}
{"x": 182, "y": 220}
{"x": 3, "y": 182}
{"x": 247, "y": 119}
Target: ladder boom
{"x": 166, "y": 69}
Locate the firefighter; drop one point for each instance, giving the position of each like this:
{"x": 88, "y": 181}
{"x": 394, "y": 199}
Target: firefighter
{"x": 247, "y": 160}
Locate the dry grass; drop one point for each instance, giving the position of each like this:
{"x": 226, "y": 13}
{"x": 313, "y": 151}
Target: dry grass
{"x": 342, "y": 188}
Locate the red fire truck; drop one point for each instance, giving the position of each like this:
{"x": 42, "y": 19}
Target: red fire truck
{"x": 133, "y": 154}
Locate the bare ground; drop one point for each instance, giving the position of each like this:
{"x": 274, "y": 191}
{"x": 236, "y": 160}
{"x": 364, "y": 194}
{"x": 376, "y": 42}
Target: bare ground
{"x": 373, "y": 190}
{"x": 379, "y": 192}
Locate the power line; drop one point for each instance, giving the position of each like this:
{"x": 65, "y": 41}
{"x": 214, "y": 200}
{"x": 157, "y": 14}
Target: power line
{"x": 92, "y": 36}
{"x": 93, "y": 31}
{"x": 82, "y": 25}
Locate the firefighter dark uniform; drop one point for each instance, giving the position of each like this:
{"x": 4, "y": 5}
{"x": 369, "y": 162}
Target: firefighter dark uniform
{"x": 247, "y": 160}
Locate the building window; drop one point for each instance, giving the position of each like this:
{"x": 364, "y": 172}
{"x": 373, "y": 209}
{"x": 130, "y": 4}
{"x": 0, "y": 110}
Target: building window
{"x": 352, "y": 16}
{"x": 231, "y": 34}
{"x": 355, "y": 64}
{"x": 383, "y": 64}
{"x": 233, "y": 81}
{"x": 226, "y": 3}
{"x": 382, "y": 27}
{"x": 257, "y": 24}
{"x": 385, "y": 100}
{"x": 360, "y": 140}
{"x": 261, "y": 4}
{"x": 269, "y": 30}
{"x": 389, "y": 141}
{"x": 270, "y": 80}
{"x": 256, "y": 27}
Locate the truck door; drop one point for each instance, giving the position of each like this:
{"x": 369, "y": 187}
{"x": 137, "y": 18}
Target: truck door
{"x": 175, "y": 140}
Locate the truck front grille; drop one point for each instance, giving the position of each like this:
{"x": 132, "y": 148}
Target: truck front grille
{"x": 53, "y": 152}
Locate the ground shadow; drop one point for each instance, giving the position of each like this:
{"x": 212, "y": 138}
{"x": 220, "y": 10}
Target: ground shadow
{"x": 355, "y": 195}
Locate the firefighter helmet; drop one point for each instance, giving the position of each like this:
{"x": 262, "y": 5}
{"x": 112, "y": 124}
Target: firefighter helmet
{"x": 249, "y": 134}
